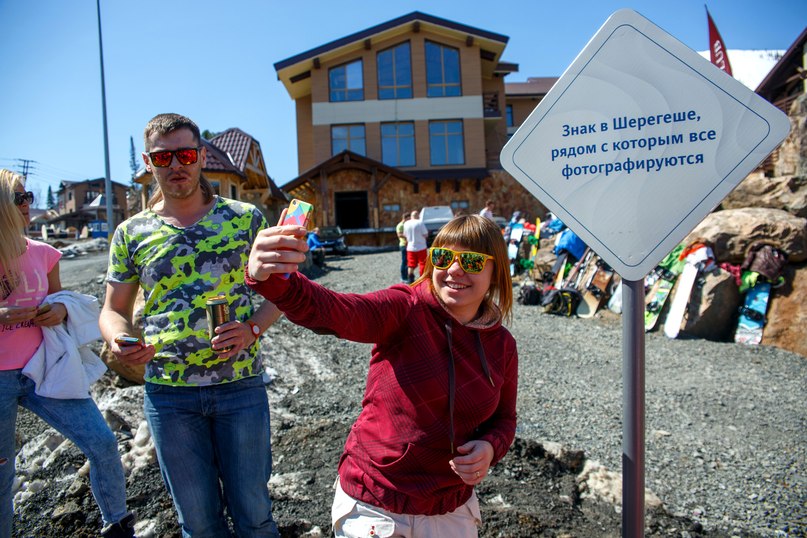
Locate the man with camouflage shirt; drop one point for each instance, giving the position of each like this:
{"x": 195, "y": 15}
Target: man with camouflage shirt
{"x": 204, "y": 400}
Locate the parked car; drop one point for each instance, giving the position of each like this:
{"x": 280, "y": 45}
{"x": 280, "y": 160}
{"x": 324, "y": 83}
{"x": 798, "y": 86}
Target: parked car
{"x": 434, "y": 217}
{"x": 334, "y": 240}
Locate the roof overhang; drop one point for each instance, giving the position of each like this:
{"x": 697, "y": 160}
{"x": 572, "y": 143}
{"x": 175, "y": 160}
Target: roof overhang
{"x": 295, "y": 72}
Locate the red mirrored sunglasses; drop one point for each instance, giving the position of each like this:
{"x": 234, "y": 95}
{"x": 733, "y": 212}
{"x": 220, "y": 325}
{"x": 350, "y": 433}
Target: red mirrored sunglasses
{"x": 185, "y": 156}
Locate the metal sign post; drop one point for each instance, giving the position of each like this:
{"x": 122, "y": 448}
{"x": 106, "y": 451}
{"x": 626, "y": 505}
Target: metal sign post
{"x": 636, "y": 143}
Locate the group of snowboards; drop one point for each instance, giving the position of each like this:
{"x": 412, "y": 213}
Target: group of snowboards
{"x": 580, "y": 283}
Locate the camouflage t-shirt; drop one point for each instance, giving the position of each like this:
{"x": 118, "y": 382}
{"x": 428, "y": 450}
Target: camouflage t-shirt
{"x": 179, "y": 269}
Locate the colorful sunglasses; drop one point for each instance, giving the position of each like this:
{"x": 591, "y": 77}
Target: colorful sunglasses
{"x": 185, "y": 156}
{"x": 22, "y": 197}
{"x": 471, "y": 262}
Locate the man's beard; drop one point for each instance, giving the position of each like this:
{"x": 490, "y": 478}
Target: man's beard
{"x": 181, "y": 192}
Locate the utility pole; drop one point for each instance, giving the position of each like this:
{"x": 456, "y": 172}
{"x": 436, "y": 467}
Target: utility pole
{"x": 25, "y": 166}
{"x": 110, "y": 217}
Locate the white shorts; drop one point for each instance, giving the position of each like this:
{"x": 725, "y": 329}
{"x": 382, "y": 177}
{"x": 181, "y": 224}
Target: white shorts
{"x": 355, "y": 519}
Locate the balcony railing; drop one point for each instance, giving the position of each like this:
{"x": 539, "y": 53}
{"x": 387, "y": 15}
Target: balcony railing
{"x": 490, "y": 105}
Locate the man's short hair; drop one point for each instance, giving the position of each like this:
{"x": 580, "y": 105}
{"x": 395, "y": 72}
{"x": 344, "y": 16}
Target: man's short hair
{"x": 162, "y": 124}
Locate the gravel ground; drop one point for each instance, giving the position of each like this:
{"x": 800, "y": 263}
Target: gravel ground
{"x": 726, "y": 442}
{"x": 725, "y": 430}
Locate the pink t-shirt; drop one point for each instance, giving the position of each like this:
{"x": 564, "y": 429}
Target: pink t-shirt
{"x": 19, "y": 342}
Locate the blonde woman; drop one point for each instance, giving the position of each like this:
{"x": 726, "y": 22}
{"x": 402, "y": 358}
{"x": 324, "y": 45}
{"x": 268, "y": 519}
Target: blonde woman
{"x": 29, "y": 271}
{"x": 439, "y": 407}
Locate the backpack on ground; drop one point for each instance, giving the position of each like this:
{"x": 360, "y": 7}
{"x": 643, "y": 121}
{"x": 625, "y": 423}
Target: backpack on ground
{"x": 529, "y": 294}
{"x": 561, "y": 302}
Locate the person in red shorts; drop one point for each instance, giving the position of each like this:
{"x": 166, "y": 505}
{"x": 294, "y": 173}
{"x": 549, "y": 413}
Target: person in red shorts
{"x": 416, "y": 233}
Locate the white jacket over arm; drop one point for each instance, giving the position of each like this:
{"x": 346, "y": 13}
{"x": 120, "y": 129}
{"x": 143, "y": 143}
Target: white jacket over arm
{"x": 64, "y": 366}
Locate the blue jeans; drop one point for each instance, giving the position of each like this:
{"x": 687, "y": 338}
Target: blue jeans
{"x": 404, "y": 268}
{"x": 213, "y": 445}
{"x": 78, "y": 420}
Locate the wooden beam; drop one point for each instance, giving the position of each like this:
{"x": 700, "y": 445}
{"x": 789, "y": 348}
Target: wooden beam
{"x": 301, "y": 76}
{"x": 316, "y": 62}
{"x": 368, "y": 45}
{"x": 469, "y": 41}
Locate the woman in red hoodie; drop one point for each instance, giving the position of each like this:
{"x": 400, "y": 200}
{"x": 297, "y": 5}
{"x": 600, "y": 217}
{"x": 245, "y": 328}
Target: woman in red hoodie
{"x": 439, "y": 407}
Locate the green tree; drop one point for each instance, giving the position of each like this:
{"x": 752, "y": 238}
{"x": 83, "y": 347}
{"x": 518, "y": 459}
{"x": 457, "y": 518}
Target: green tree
{"x": 133, "y": 164}
{"x": 207, "y": 135}
{"x": 51, "y": 201}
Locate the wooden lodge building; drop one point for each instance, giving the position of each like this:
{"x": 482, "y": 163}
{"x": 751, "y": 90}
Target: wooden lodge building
{"x": 409, "y": 113}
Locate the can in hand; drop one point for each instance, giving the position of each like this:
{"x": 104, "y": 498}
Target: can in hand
{"x": 218, "y": 313}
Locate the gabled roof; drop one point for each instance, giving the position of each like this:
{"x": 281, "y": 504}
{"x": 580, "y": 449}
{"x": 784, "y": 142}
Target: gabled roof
{"x": 383, "y": 27}
{"x": 347, "y": 159}
{"x": 218, "y": 160}
{"x": 534, "y": 86}
{"x": 298, "y": 67}
{"x": 787, "y": 72}
{"x": 66, "y": 183}
{"x": 236, "y": 143}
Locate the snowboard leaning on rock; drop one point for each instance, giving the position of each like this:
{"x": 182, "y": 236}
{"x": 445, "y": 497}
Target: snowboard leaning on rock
{"x": 761, "y": 270}
{"x": 698, "y": 258}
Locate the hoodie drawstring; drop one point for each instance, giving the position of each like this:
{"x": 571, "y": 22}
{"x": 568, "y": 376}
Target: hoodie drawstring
{"x": 452, "y": 377}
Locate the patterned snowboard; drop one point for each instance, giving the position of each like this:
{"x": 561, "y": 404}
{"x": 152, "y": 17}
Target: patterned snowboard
{"x": 657, "y": 298}
{"x": 516, "y": 233}
{"x": 752, "y": 314}
{"x": 596, "y": 290}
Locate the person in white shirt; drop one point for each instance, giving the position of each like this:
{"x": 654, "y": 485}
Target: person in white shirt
{"x": 487, "y": 211}
{"x": 416, "y": 233}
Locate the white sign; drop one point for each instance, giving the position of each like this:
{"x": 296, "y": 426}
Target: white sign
{"x": 638, "y": 141}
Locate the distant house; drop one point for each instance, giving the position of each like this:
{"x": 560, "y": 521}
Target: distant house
{"x": 38, "y": 218}
{"x": 236, "y": 169}
{"x": 83, "y": 203}
{"x": 405, "y": 114}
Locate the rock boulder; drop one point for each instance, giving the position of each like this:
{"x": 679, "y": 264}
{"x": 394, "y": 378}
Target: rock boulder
{"x": 787, "y": 316}
{"x": 731, "y": 231}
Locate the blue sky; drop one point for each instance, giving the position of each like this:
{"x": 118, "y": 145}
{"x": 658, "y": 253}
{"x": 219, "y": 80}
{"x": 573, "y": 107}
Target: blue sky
{"x": 213, "y": 61}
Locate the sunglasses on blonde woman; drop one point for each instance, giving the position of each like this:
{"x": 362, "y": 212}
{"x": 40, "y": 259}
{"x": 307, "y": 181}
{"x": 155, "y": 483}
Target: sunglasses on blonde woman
{"x": 470, "y": 262}
{"x": 185, "y": 156}
{"x": 22, "y": 197}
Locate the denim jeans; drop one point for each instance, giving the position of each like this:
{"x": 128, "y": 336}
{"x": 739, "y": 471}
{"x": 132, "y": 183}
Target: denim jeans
{"x": 213, "y": 445}
{"x": 404, "y": 268}
{"x": 78, "y": 420}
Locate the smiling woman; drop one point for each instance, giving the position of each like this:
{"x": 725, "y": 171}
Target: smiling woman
{"x": 459, "y": 417}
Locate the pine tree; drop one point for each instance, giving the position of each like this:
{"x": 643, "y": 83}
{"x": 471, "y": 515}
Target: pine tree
{"x": 51, "y": 201}
{"x": 132, "y": 160}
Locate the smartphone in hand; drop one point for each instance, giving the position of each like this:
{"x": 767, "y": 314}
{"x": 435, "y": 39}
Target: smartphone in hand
{"x": 299, "y": 213}
{"x": 127, "y": 341}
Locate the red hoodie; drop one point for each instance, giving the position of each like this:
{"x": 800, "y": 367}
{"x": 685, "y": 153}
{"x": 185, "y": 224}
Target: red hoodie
{"x": 424, "y": 363}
